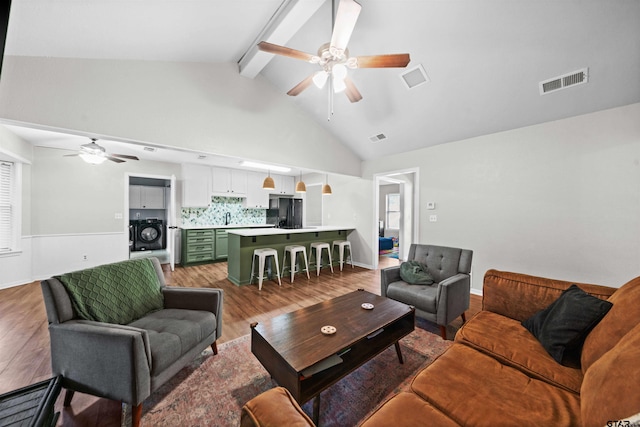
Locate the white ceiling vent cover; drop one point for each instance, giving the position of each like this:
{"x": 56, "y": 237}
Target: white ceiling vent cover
{"x": 414, "y": 77}
{"x": 564, "y": 81}
{"x": 377, "y": 138}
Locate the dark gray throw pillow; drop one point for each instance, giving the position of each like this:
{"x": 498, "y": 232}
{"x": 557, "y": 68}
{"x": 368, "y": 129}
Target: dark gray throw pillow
{"x": 563, "y": 326}
{"x": 415, "y": 273}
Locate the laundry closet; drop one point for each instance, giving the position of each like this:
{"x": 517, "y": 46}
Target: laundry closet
{"x": 148, "y": 214}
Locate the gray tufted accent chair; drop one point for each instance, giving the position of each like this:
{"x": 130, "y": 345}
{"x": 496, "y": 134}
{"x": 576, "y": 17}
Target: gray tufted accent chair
{"x": 443, "y": 301}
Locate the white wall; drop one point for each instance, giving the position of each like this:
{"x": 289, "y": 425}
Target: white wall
{"x": 559, "y": 199}
{"x": 203, "y": 107}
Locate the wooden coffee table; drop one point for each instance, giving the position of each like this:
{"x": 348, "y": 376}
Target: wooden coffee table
{"x": 303, "y": 359}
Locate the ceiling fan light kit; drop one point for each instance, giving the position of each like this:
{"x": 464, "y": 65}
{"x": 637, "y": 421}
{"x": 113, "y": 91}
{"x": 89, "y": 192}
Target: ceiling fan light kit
{"x": 334, "y": 57}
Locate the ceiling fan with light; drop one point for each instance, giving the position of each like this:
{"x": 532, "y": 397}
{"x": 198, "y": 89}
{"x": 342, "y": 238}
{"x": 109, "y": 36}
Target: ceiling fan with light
{"x": 95, "y": 154}
{"x": 333, "y": 57}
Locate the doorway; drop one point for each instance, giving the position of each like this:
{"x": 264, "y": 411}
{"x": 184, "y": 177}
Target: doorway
{"x": 150, "y": 206}
{"x": 397, "y": 222}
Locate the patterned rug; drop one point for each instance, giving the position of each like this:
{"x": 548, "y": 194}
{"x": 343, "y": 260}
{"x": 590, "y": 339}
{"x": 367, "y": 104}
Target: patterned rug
{"x": 212, "y": 389}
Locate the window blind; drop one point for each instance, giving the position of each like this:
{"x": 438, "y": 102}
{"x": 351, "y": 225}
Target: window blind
{"x": 6, "y": 206}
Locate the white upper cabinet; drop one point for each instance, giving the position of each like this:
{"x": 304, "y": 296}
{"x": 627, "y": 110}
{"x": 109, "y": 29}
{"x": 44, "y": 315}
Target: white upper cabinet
{"x": 228, "y": 182}
{"x": 285, "y": 185}
{"x": 146, "y": 197}
{"x": 257, "y": 197}
{"x": 196, "y": 186}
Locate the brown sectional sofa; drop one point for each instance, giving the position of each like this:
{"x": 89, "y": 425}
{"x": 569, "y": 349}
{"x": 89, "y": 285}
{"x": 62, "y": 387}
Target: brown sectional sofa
{"x": 498, "y": 374}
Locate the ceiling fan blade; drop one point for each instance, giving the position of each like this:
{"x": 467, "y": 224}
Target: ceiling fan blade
{"x": 346, "y": 17}
{"x": 284, "y": 51}
{"x": 115, "y": 159}
{"x": 382, "y": 61}
{"x": 351, "y": 91}
{"x": 297, "y": 89}
{"x": 125, "y": 156}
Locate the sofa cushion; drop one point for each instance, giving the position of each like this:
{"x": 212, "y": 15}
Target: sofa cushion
{"x": 173, "y": 332}
{"x": 463, "y": 383}
{"x": 114, "y": 293}
{"x": 423, "y": 297}
{"x": 415, "y": 273}
{"x": 407, "y": 409}
{"x": 623, "y": 316}
{"x": 565, "y": 323}
{"x": 610, "y": 387}
{"x": 508, "y": 341}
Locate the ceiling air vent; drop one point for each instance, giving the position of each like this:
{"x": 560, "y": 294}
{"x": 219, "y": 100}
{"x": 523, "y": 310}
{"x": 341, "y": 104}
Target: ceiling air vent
{"x": 201, "y": 157}
{"x": 377, "y": 138}
{"x": 564, "y": 81}
{"x": 151, "y": 149}
{"x": 415, "y": 76}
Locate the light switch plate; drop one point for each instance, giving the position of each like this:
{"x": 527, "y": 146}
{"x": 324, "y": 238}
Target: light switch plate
{"x": 431, "y": 205}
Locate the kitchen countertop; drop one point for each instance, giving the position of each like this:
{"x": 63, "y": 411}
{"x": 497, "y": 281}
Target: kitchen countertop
{"x": 280, "y": 231}
{"x": 230, "y": 226}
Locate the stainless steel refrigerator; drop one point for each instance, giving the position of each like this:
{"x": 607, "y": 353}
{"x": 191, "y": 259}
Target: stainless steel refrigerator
{"x": 288, "y": 211}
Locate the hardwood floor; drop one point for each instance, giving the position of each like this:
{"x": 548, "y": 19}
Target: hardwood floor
{"x": 24, "y": 338}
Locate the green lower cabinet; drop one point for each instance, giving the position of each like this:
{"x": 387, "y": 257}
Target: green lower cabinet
{"x": 222, "y": 244}
{"x": 198, "y": 246}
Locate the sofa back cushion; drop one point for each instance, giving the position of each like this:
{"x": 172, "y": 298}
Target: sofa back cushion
{"x": 115, "y": 293}
{"x": 623, "y": 316}
{"x": 609, "y": 389}
{"x": 441, "y": 262}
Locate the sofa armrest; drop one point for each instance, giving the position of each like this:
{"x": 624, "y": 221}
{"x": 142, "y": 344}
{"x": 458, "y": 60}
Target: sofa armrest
{"x": 274, "y": 407}
{"x": 454, "y": 295}
{"x": 519, "y": 296}
{"x": 387, "y": 276}
{"x": 112, "y": 361}
{"x": 205, "y": 299}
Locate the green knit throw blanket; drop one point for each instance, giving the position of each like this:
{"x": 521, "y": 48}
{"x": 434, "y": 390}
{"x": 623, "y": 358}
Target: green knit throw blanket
{"x": 115, "y": 293}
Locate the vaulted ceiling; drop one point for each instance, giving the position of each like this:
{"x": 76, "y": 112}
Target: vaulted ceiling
{"x": 484, "y": 58}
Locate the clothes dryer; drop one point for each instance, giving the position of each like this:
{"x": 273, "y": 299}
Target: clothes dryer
{"x": 149, "y": 235}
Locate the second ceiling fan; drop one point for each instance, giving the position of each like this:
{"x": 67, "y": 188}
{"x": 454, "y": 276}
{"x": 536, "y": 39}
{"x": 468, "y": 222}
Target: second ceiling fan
{"x": 333, "y": 57}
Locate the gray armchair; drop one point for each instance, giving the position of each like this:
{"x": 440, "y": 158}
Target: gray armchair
{"x": 443, "y": 301}
{"x": 127, "y": 362}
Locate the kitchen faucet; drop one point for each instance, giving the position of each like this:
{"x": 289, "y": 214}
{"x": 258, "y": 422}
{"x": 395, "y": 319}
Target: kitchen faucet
{"x": 227, "y": 218}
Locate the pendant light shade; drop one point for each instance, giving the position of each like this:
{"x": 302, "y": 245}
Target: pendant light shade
{"x": 268, "y": 183}
{"x": 326, "y": 188}
{"x": 300, "y": 186}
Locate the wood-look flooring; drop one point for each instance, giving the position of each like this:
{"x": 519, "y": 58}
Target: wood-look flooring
{"x": 24, "y": 338}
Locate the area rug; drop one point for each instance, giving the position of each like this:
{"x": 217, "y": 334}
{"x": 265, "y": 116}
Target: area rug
{"x": 212, "y": 389}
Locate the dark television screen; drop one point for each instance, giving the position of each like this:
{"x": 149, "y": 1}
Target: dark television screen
{"x": 5, "y": 7}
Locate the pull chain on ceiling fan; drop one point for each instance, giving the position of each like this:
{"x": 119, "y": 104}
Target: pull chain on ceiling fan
{"x": 334, "y": 59}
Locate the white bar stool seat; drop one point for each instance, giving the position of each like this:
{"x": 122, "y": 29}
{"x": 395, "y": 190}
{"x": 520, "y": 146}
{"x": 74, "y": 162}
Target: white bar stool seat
{"x": 294, "y": 251}
{"x": 319, "y": 246}
{"x": 342, "y": 246}
{"x": 262, "y": 255}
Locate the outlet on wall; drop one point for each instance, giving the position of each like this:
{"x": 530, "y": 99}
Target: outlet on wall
{"x": 433, "y": 218}
{"x": 84, "y": 257}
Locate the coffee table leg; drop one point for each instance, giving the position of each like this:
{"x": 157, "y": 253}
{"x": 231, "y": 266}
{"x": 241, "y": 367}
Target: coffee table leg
{"x": 316, "y": 410}
{"x": 397, "y": 344}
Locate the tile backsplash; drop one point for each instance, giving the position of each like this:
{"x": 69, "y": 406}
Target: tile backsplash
{"x": 215, "y": 213}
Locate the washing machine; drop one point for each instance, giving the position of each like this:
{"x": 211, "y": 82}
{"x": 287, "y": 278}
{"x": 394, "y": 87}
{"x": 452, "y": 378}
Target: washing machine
{"x": 149, "y": 234}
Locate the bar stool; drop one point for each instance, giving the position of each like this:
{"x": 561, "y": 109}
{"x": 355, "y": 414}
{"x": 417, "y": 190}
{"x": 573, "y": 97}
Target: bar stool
{"x": 294, "y": 251}
{"x": 342, "y": 244}
{"x": 319, "y": 246}
{"x": 262, "y": 255}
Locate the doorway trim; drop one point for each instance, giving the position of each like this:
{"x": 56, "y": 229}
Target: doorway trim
{"x": 378, "y": 180}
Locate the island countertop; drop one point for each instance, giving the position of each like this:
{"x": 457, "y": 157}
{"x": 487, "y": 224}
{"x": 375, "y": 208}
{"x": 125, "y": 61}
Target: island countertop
{"x": 283, "y": 231}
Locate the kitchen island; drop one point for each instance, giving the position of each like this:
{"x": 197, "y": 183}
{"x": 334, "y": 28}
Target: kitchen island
{"x": 243, "y": 242}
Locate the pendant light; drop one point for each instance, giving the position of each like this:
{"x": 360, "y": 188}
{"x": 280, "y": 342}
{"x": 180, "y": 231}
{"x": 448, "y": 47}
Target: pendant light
{"x": 300, "y": 186}
{"x": 326, "y": 188}
{"x": 268, "y": 183}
